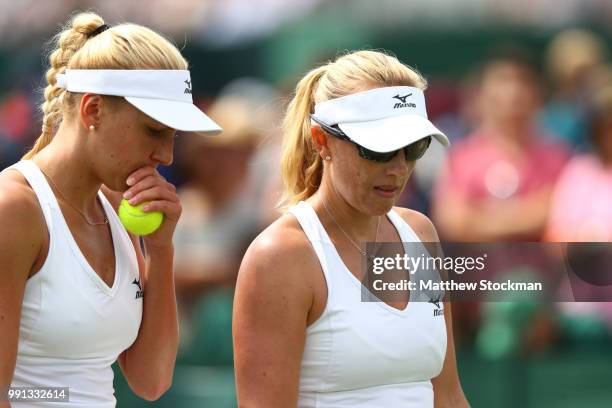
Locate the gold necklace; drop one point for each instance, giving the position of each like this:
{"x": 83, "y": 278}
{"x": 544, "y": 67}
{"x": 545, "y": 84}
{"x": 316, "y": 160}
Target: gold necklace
{"x": 93, "y": 224}
{"x": 362, "y": 252}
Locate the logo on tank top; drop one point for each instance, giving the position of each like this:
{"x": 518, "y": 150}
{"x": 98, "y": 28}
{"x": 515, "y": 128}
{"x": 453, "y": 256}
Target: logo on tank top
{"x": 188, "y": 89}
{"x": 438, "y": 311}
{"x": 139, "y": 292}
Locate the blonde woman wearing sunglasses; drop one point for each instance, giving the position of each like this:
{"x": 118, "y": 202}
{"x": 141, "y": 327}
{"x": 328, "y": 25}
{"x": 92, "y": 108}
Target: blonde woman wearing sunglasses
{"x": 302, "y": 334}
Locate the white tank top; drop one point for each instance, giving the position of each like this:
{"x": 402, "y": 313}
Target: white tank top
{"x": 73, "y": 325}
{"x": 367, "y": 354}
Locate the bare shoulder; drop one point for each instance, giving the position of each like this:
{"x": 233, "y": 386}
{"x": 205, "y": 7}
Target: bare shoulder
{"x": 21, "y": 216}
{"x": 274, "y": 298}
{"x": 420, "y": 223}
{"x": 18, "y": 203}
{"x": 280, "y": 257}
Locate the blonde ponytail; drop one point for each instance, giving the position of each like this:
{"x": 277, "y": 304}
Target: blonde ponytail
{"x": 69, "y": 41}
{"x": 301, "y": 165}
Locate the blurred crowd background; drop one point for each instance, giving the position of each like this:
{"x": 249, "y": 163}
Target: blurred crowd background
{"x": 523, "y": 89}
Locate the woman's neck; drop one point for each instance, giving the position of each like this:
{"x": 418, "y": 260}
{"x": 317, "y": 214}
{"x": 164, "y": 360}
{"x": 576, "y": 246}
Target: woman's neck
{"x": 337, "y": 212}
{"x": 65, "y": 165}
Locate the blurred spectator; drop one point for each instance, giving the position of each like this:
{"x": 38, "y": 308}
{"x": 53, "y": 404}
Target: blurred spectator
{"x": 496, "y": 183}
{"x": 217, "y": 223}
{"x": 217, "y": 200}
{"x": 16, "y": 126}
{"x": 221, "y": 199}
{"x": 496, "y": 186}
{"x": 266, "y": 112}
{"x": 572, "y": 58}
{"x": 582, "y": 212}
{"x": 582, "y": 203}
{"x": 449, "y": 107}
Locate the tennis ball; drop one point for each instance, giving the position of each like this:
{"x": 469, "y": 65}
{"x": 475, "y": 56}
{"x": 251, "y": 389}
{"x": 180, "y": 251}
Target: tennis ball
{"x": 137, "y": 221}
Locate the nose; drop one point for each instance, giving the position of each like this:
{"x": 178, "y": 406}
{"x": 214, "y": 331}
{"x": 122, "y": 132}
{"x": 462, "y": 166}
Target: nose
{"x": 399, "y": 166}
{"x": 164, "y": 151}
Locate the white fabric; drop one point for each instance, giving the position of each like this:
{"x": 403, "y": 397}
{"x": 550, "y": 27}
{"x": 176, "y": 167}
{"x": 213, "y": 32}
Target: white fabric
{"x": 374, "y": 104}
{"x": 367, "y": 354}
{"x": 168, "y": 84}
{"x": 381, "y": 119}
{"x": 73, "y": 326}
{"x": 164, "y": 95}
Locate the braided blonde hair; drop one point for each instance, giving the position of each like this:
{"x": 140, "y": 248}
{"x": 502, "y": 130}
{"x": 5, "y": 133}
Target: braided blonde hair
{"x": 125, "y": 46}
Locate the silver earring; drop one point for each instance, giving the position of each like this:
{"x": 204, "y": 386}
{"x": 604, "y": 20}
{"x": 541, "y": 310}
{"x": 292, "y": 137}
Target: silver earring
{"x": 328, "y": 158}
{"x": 92, "y": 128}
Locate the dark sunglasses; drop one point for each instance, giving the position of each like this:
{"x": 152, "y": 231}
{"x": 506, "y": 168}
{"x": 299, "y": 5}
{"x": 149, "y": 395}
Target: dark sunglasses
{"x": 413, "y": 151}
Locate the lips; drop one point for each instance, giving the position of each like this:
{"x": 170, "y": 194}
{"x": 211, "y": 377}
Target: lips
{"x": 387, "y": 187}
{"x": 386, "y": 190}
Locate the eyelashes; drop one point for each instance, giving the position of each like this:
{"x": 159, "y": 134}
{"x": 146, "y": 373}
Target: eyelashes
{"x": 161, "y": 133}
{"x": 154, "y": 132}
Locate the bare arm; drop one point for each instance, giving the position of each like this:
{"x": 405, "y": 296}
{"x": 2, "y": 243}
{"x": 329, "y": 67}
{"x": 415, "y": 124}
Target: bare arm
{"x": 271, "y": 307}
{"x": 148, "y": 365}
{"x": 447, "y": 387}
{"x": 460, "y": 219}
{"x": 20, "y": 244}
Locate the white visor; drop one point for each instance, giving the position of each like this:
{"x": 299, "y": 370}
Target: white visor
{"x": 381, "y": 119}
{"x": 164, "y": 95}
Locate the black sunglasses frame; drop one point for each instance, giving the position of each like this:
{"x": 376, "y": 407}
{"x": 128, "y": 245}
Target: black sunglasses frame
{"x": 411, "y": 151}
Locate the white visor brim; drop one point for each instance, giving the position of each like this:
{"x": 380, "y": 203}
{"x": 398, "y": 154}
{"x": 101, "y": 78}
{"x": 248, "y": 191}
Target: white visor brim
{"x": 164, "y": 95}
{"x": 392, "y": 133}
{"x": 381, "y": 119}
{"x": 183, "y": 116}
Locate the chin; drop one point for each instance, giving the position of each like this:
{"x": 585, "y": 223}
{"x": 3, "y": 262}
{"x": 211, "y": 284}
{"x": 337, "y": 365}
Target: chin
{"x": 387, "y": 208}
{"x": 379, "y": 207}
{"x": 116, "y": 185}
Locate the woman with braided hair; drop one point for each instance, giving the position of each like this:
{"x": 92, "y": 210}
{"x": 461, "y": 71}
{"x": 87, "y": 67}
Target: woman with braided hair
{"x": 76, "y": 291}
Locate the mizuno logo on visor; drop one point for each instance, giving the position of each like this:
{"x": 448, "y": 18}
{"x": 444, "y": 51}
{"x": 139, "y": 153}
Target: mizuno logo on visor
{"x": 402, "y": 98}
{"x": 403, "y": 103}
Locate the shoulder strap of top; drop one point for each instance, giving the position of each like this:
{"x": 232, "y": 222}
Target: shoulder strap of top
{"x": 307, "y": 217}
{"x": 408, "y": 236}
{"x": 38, "y": 182}
{"x": 406, "y": 232}
{"x": 124, "y": 248}
{"x": 312, "y": 227}
{"x": 117, "y": 227}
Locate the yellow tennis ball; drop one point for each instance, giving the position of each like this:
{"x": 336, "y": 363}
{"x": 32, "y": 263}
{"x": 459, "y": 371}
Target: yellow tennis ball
{"x": 137, "y": 221}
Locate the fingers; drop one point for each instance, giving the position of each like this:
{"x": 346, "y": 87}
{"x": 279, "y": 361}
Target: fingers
{"x": 147, "y": 185}
{"x": 171, "y": 209}
{"x": 148, "y": 182}
{"x": 139, "y": 174}
{"x": 154, "y": 193}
